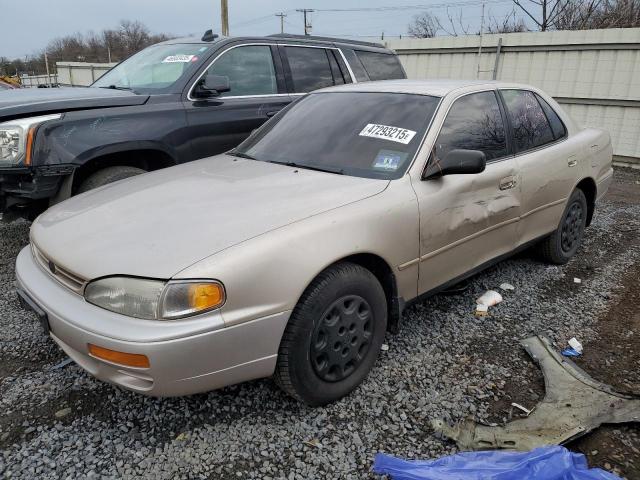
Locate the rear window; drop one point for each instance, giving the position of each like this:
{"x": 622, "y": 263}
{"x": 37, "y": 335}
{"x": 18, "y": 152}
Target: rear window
{"x": 381, "y": 66}
{"x": 558, "y": 128}
{"x": 531, "y": 128}
{"x": 310, "y": 69}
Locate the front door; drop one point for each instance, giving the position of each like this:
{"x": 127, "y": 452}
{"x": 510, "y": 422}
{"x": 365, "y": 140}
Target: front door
{"x": 467, "y": 220}
{"x": 258, "y": 91}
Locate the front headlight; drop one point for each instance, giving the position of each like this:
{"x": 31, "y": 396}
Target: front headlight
{"x": 16, "y": 138}
{"x": 155, "y": 299}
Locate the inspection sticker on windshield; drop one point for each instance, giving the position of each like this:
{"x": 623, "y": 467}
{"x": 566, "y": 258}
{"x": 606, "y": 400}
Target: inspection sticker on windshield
{"x": 389, "y": 160}
{"x": 386, "y": 132}
{"x": 178, "y": 59}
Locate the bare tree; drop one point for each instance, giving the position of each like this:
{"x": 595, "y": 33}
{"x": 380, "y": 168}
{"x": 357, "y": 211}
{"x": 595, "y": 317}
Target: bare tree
{"x": 508, "y": 24}
{"x": 424, "y": 25}
{"x": 543, "y": 12}
{"x": 590, "y": 14}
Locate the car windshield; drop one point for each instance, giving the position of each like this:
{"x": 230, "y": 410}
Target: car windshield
{"x": 372, "y": 135}
{"x": 153, "y": 69}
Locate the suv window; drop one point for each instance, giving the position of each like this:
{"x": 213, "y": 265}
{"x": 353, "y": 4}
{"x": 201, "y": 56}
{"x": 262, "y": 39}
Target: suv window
{"x": 558, "y": 128}
{"x": 381, "y": 66}
{"x": 474, "y": 122}
{"x": 250, "y": 70}
{"x": 310, "y": 68}
{"x": 530, "y": 126}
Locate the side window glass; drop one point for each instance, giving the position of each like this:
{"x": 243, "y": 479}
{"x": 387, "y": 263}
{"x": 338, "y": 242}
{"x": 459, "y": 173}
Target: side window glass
{"x": 558, "y": 128}
{"x": 250, "y": 70}
{"x": 381, "y": 66}
{"x": 474, "y": 122}
{"x": 310, "y": 68}
{"x": 530, "y": 126}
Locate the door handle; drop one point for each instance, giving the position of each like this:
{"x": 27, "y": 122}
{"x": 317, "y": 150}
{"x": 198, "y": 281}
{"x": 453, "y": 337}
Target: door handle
{"x": 572, "y": 161}
{"x": 271, "y": 113}
{"x": 507, "y": 183}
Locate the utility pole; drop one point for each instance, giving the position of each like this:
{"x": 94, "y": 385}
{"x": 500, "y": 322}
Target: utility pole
{"x": 480, "y": 45}
{"x": 224, "y": 13}
{"x": 281, "y": 15}
{"x": 307, "y": 26}
{"x": 46, "y": 63}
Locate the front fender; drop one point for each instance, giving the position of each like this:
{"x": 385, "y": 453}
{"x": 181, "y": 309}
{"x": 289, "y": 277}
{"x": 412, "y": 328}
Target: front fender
{"x": 269, "y": 273}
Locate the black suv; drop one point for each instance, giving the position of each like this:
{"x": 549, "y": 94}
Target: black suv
{"x": 170, "y": 103}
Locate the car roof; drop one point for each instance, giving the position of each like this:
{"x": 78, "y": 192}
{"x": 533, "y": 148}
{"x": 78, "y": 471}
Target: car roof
{"x": 437, "y": 88}
{"x": 279, "y": 36}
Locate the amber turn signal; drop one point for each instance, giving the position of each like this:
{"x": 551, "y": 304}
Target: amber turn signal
{"x": 204, "y": 296}
{"x": 121, "y": 358}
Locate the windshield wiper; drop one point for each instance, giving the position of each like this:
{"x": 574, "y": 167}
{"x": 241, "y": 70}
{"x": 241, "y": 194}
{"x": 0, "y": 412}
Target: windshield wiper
{"x": 116, "y": 87}
{"x": 337, "y": 171}
{"x": 241, "y": 155}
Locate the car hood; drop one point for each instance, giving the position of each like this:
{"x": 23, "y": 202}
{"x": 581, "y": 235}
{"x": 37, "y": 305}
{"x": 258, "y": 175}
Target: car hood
{"x": 32, "y": 101}
{"x": 159, "y": 223}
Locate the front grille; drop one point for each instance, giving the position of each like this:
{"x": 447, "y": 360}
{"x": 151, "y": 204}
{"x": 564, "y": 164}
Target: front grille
{"x": 67, "y": 278}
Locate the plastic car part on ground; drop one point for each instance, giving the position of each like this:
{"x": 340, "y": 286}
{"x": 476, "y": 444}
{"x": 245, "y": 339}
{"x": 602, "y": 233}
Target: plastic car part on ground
{"x": 573, "y": 405}
{"x": 544, "y": 463}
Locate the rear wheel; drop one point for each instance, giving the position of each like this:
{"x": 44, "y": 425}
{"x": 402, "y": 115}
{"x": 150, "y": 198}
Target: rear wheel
{"x": 108, "y": 175}
{"x": 562, "y": 244}
{"x": 333, "y": 336}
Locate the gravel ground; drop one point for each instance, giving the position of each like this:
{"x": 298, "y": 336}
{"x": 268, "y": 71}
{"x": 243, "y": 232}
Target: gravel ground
{"x": 445, "y": 362}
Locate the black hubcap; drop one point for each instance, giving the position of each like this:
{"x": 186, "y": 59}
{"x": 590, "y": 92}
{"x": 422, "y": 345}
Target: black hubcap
{"x": 342, "y": 338}
{"x": 572, "y": 227}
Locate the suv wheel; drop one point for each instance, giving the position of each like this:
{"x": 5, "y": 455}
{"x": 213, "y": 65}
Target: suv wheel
{"x": 108, "y": 175}
{"x": 562, "y": 244}
{"x": 334, "y": 335}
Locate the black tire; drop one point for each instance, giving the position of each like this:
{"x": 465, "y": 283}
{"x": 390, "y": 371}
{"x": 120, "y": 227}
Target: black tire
{"x": 561, "y": 245}
{"x": 108, "y": 175}
{"x": 341, "y": 318}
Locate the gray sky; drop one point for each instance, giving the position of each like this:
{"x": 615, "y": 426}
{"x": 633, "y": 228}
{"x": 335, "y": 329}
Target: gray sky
{"x": 26, "y": 26}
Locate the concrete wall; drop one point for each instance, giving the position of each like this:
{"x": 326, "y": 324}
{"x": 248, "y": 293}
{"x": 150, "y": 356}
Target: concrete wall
{"x": 594, "y": 74}
{"x": 72, "y": 74}
{"x": 32, "y": 81}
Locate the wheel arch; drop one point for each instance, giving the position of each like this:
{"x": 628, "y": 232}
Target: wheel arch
{"x": 383, "y": 272}
{"x": 148, "y": 159}
{"x": 589, "y": 188}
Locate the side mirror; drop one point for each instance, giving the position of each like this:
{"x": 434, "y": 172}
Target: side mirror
{"x": 456, "y": 162}
{"x": 212, "y": 86}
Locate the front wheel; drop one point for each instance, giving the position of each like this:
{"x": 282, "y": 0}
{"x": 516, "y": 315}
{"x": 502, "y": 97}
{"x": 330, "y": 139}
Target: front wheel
{"x": 562, "y": 244}
{"x": 108, "y": 175}
{"x": 334, "y": 335}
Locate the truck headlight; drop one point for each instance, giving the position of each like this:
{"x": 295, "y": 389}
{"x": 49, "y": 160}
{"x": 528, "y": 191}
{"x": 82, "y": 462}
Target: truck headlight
{"x": 155, "y": 299}
{"x": 16, "y": 138}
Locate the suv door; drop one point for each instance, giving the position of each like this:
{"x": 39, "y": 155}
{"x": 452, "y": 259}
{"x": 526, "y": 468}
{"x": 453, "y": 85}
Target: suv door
{"x": 308, "y": 68}
{"x": 258, "y": 91}
{"x": 468, "y": 220}
{"x": 545, "y": 157}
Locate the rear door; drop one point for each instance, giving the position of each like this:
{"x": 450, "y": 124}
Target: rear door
{"x": 258, "y": 91}
{"x": 548, "y": 161}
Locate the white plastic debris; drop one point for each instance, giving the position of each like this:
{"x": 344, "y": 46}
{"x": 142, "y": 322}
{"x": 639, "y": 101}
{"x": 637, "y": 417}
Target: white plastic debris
{"x": 520, "y": 407}
{"x": 482, "y": 310}
{"x": 489, "y": 298}
{"x": 577, "y": 280}
{"x": 384, "y": 347}
{"x": 575, "y": 344}
{"x": 507, "y": 286}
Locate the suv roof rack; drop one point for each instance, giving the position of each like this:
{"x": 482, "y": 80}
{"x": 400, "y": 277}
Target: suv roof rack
{"x": 327, "y": 39}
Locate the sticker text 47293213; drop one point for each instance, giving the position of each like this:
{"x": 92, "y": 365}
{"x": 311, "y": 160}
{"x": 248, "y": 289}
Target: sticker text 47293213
{"x": 386, "y": 132}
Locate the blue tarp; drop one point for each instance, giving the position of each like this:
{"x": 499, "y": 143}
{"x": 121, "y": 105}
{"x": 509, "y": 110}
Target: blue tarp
{"x": 544, "y": 463}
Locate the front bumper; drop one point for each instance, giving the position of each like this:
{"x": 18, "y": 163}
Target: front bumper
{"x": 185, "y": 356}
{"x": 22, "y": 186}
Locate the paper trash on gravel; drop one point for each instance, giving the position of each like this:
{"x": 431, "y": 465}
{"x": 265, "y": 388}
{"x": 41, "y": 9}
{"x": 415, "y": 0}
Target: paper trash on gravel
{"x": 489, "y": 298}
{"x": 573, "y": 405}
{"x": 507, "y": 286}
{"x": 545, "y": 463}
